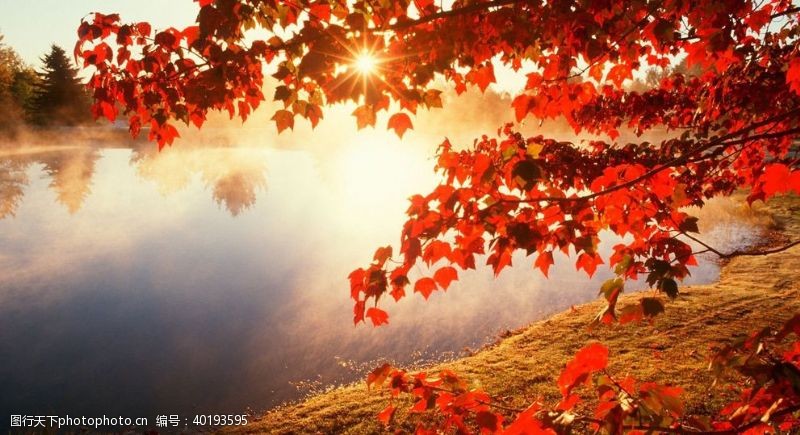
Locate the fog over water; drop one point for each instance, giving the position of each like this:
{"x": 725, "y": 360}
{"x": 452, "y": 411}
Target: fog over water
{"x": 212, "y": 278}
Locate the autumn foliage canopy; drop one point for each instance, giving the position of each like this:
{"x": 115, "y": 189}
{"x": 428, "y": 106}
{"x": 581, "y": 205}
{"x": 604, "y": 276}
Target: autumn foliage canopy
{"x": 731, "y": 124}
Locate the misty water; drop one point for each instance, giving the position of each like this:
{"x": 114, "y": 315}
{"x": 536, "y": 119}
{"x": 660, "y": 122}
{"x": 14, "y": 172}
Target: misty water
{"x": 213, "y": 280}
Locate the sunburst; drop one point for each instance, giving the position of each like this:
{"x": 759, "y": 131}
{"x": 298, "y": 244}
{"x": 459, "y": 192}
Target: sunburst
{"x": 365, "y": 63}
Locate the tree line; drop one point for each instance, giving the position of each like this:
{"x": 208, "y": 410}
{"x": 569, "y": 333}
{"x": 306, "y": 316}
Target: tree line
{"x": 48, "y": 96}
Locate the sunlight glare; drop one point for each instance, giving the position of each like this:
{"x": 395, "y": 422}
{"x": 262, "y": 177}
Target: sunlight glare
{"x": 365, "y": 63}
{"x": 374, "y": 171}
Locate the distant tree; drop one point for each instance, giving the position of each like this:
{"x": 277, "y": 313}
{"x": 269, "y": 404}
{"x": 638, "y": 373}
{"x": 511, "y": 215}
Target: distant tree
{"x": 23, "y": 87}
{"x": 59, "y": 98}
{"x": 15, "y": 80}
{"x": 654, "y": 75}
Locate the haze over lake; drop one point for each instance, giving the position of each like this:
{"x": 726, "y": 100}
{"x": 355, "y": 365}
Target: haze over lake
{"x": 213, "y": 279}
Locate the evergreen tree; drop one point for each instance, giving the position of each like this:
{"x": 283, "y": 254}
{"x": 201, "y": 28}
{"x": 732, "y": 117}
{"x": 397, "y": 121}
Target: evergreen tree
{"x": 59, "y": 98}
{"x": 23, "y": 87}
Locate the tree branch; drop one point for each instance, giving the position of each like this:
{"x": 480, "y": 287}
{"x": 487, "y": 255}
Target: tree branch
{"x": 786, "y": 12}
{"x": 722, "y": 140}
{"x": 742, "y": 253}
{"x": 762, "y": 252}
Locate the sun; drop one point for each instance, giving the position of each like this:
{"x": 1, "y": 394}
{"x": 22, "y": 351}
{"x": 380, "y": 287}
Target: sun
{"x": 365, "y": 63}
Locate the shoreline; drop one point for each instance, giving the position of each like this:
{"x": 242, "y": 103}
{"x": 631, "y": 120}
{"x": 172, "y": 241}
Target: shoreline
{"x": 522, "y": 365}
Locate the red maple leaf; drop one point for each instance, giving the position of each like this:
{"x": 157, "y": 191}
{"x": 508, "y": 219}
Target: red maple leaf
{"x": 425, "y": 286}
{"x": 445, "y": 276}
{"x": 378, "y": 316}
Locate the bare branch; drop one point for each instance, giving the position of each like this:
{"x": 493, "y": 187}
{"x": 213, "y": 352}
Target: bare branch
{"x": 742, "y": 253}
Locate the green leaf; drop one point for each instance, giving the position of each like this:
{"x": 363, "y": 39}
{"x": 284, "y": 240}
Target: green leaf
{"x": 610, "y": 287}
{"x": 508, "y": 153}
{"x": 623, "y": 265}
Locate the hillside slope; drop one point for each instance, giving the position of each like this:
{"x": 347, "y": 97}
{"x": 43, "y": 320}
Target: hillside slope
{"x": 752, "y": 292}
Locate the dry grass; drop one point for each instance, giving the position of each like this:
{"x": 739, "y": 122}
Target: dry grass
{"x": 752, "y": 292}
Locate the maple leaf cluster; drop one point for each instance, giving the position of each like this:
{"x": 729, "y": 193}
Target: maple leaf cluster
{"x": 596, "y": 401}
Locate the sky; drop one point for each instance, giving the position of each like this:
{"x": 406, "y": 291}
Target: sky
{"x": 31, "y": 26}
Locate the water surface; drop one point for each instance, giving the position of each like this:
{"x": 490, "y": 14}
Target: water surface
{"x": 212, "y": 280}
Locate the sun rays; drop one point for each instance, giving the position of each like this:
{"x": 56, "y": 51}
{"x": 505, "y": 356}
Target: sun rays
{"x": 365, "y": 63}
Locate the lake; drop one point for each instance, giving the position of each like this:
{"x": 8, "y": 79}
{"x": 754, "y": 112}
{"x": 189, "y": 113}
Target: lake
{"x": 213, "y": 279}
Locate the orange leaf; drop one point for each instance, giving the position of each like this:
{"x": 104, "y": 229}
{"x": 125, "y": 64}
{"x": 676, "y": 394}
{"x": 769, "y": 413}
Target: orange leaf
{"x": 365, "y": 116}
{"x": 588, "y": 262}
{"x": 426, "y": 286}
{"x": 386, "y": 415}
{"x": 591, "y": 358}
{"x": 400, "y": 122}
{"x": 544, "y": 261}
{"x": 358, "y": 312}
{"x": 528, "y": 423}
{"x": 382, "y": 254}
{"x": 379, "y": 375}
{"x": 521, "y": 104}
{"x": 569, "y": 402}
{"x": 378, "y": 316}
{"x": 321, "y": 10}
{"x": 191, "y": 34}
{"x": 619, "y": 73}
{"x": 499, "y": 260}
{"x": 283, "y": 119}
{"x": 445, "y": 276}
{"x": 482, "y": 76}
{"x": 397, "y": 292}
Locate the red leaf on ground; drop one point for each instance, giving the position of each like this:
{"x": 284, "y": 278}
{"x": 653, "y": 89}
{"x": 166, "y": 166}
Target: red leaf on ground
{"x": 386, "y": 415}
{"x": 378, "y": 375}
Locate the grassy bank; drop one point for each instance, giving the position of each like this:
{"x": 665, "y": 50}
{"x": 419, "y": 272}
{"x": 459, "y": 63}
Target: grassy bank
{"x": 752, "y": 292}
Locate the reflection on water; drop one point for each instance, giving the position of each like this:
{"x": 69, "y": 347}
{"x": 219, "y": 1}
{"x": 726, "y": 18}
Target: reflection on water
{"x": 71, "y": 175}
{"x": 13, "y": 179}
{"x": 70, "y": 172}
{"x": 233, "y": 175}
{"x": 209, "y": 280}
